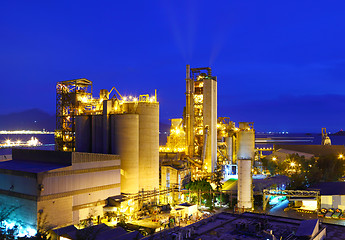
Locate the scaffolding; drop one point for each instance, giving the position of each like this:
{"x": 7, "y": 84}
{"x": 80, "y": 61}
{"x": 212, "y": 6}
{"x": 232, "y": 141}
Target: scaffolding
{"x": 73, "y": 97}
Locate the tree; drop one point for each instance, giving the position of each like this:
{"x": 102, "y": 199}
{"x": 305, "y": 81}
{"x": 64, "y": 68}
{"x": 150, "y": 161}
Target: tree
{"x": 218, "y": 177}
{"x": 331, "y": 168}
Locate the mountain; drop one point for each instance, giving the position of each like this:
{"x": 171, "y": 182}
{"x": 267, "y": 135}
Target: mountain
{"x": 33, "y": 119}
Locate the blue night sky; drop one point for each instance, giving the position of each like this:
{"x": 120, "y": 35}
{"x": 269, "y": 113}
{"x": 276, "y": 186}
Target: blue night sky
{"x": 280, "y": 64}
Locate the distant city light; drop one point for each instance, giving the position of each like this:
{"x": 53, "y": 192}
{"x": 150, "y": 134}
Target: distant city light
{"x": 33, "y": 142}
{"x": 19, "y": 132}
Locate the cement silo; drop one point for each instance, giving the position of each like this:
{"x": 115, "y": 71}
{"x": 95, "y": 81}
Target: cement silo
{"x": 244, "y": 184}
{"x": 246, "y": 144}
{"x": 97, "y": 134}
{"x": 210, "y": 120}
{"x": 148, "y": 145}
{"x": 246, "y": 141}
{"x": 125, "y": 142}
{"x": 83, "y": 133}
{"x": 229, "y": 149}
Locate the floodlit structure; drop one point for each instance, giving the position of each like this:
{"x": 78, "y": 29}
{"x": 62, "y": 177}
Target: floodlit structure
{"x": 208, "y": 142}
{"x": 325, "y": 138}
{"x": 245, "y": 162}
{"x": 127, "y": 126}
{"x": 73, "y": 97}
{"x": 61, "y": 187}
{"x": 201, "y": 116}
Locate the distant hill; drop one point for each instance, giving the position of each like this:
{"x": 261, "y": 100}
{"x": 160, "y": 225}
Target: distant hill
{"x": 36, "y": 119}
{"x": 33, "y": 119}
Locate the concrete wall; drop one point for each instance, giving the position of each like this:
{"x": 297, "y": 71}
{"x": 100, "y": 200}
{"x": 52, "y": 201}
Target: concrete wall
{"x": 57, "y": 211}
{"x": 333, "y": 201}
{"x": 19, "y": 191}
{"x": 19, "y": 183}
{"x": 25, "y": 213}
{"x": 80, "y": 191}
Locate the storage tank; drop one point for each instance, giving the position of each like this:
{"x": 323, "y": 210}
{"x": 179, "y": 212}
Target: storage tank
{"x": 244, "y": 192}
{"x": 229, "y": 152}
{"x": 245, "y": 155}
{"x": 97, "y": 133}
{"x": 148, "y": 145}
{"x": 83, "y": 133}
{"x": 246, "y": 141}
{"x": 210, "y": 120}
{"x": 125, "y": 142}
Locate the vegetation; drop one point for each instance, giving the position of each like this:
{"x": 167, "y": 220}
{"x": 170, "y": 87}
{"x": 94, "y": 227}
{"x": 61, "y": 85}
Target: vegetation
{"x": 199, "y": 185}
{"x": 305, "y": 172}
{"x": 217, "y": 178}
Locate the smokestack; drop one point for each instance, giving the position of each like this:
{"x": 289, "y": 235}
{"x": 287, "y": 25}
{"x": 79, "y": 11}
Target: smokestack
{"x": 188, "y": 71}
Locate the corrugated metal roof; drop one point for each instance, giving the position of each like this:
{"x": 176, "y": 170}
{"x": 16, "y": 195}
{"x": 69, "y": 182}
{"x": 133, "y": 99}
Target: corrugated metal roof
{"x": 317, "y": 150}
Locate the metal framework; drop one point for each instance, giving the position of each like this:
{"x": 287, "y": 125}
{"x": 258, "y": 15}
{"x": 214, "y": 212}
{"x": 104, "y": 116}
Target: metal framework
{"x": 290, "y": 193}
{"x": 195, "y": 110}
{"x": 72, "y": 98}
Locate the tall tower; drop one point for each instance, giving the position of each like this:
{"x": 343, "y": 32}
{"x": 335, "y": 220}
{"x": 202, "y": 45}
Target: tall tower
{"x": 201, "y": 116}
{"x": 245, "y": 154}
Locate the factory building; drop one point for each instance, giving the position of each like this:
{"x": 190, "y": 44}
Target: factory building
{"x": 201, "y": 116}
{"x": 127, "y": 126}
{"x": 61, "y": 187}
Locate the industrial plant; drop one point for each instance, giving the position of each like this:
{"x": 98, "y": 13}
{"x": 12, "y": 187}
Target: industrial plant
{"x": 108, "y": 166}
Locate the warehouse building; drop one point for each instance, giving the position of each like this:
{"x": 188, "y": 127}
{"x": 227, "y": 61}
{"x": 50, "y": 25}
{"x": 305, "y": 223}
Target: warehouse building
{"x": 61, "y": 187}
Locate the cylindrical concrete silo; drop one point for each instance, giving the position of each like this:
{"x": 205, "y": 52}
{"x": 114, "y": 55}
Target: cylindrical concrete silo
{"x": 148, "y": 145}
{"x": 83, "y": 133}
{"x": 245, "y": 155}
{"x": 97, "y": 133}
{"x": 244, "y": 184}
{"x": 246, "y": 144}
{"x": 229, "y": 153}
{"x": 125, "y": 142}
{"x": 210, "y": 120}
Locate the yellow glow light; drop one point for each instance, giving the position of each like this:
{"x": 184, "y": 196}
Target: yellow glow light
{"x": 274, "y": 158}
{"x": 341, "y": 156}
{"x": 84, "y": 99}
{"x": 292, "y": 164}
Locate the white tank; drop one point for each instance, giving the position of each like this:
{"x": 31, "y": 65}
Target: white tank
{"x": 245, "y": 156}
{"x": 125, "y": 142}
{"x": 148, "y": 145}
{"x": 83, "y": 133}
{"x": 246, "y": 144}
{"x": 244, "y": 187}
